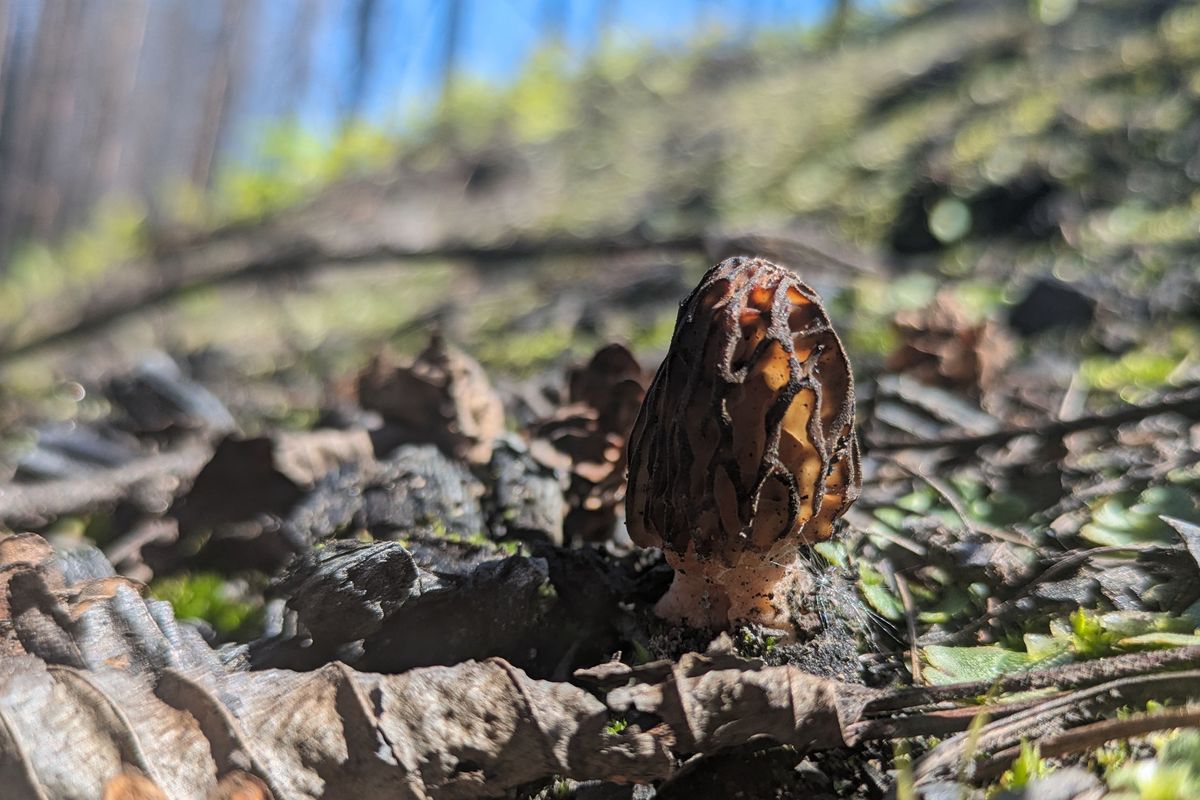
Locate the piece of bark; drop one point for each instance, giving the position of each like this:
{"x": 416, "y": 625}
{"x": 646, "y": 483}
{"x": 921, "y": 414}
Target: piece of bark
{"x": 242, "y": 497}
{"x": 442, "y": 397}
{"x": 374, "y": 607}
{"x": 69, "y": 450}
{"x": 526, "y": 498}
{"x": 590, "y": 432}
{"x": 157, "y": 398}
{"x": 151, "y": 483}
{"x": 346, "y": 590}
{"x": 417, "y": 487}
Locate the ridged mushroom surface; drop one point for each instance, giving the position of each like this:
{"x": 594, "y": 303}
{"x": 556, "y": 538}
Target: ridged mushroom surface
{"x": 744, "y": 448}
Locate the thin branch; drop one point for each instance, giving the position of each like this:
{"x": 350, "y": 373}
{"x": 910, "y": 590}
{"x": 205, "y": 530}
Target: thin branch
{"x": 1068, "y": 676}
{"x": 910, "y": 617}
{"x": 24, "y": 504}
{"x": 1186, "y": 401}
{"x": 263, "y": 255}
{"x": 1087, "y": 737}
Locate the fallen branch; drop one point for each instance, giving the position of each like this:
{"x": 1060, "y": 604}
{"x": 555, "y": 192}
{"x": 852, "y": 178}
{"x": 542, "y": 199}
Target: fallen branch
{"x": 1067, "y": 676}
{"x": 1186, "y": 401}
{"x": 1088, "y": 737}
{"x": 251, "y": 255}
{"x": 1052, "y": 717}
{"x": 35, "y": 504}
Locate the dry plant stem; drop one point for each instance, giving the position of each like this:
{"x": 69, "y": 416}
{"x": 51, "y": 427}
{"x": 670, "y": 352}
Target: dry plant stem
{"x": 1069, "y": 676}
{"x": 1185, "y": 401}
{"x": 1087, "y": 737}
{"x": 942, "y": 722}
{"x": 911, "y": 621}
{"x": 1051, "y": 717}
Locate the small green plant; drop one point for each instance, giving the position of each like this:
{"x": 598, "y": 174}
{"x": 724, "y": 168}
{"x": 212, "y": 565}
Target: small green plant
{"x": 1088, "y": 636}
{"x": 616, "y": 726}
{"x": 906, "y": 785}
{"x": 1173, "y": 774}
{"x": 1027, "y": 767}
{"x": 1121, "y": 520}
{"x": 212, "y": 598}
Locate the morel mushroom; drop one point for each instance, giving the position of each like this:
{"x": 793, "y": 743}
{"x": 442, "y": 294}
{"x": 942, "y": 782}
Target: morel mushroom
{"x": 744, "y": 448}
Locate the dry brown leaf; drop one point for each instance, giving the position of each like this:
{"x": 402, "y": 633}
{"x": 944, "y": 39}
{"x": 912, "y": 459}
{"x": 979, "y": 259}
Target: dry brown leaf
{"x": 443, "y": 397}
{"x": 591, "y": 430}
{"x": 941, "y": 346}
{"x": 99, "y": 693}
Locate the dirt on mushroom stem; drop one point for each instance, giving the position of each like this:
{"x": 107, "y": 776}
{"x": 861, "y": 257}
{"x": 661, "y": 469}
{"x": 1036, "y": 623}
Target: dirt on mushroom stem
{"x": 744, "y": 448}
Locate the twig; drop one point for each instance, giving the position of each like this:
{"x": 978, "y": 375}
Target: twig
{"x": 1052, "y": 716}
{"x": 1065, "y": 564}
{"x": 1186, "y": 401}
{"x": 35, "y": 504}
{"x": 911, "y": 619}
{"x": 1087, "y": 737}
{"x": 1068, "y": 676}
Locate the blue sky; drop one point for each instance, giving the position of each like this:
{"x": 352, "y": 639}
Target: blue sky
{"x": 498, "y": 37}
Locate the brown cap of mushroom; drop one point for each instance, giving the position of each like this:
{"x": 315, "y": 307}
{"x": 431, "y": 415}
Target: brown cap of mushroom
{"x": 744, "y": 449}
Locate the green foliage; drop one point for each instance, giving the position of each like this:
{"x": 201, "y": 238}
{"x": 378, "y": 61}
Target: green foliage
{"x": 1081, "y": 636}
{"x": 543, "y": 101}
{"x": 616, "y": 726}
{"x": 656, "y": 335}
{"x": 523, "y": 352}
{"x": 906, "y": 788}
{"x": 875, "y": 591}
{"x": 1153, "y": 365}
{"x": 291, "y": 162}
{"x": 1118, "y": 522}
{"x": 212, "y": 598}
{"x": 1087, "y": 635}
{"x": 38, "y": 271}
{"x": 1174, "y": 773}
{"x": 1027, "y": 767}
{"x": 960, "y": 664}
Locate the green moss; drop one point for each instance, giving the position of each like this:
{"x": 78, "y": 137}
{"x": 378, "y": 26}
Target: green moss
{"x": 526, "y": 351}
{"x": 212, "y": 598}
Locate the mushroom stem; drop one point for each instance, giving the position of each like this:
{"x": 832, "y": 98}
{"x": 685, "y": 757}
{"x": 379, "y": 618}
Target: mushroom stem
{"x": 705, "y": 594}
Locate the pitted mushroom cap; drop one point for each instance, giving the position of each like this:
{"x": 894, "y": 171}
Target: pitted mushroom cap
{"x": 745, "y": 441}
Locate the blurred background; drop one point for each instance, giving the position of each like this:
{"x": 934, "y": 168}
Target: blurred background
{"x": 290, "y": 184}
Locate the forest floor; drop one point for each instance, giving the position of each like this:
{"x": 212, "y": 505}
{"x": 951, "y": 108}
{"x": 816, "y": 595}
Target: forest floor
{"x": 1005, "y": 239}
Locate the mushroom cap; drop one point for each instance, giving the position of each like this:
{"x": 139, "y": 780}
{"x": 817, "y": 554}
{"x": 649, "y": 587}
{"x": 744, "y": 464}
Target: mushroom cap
{"x": 744, "y": 445}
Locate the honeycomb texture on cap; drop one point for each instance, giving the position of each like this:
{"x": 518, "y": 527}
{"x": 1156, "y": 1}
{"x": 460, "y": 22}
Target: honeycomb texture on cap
{"x": 745, "y": 442}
